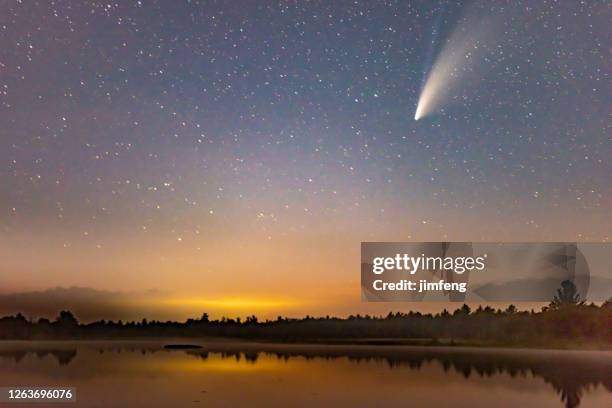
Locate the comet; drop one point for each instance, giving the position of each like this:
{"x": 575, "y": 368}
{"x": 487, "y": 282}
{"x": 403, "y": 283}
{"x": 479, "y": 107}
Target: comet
{"x": 453, "y": 65}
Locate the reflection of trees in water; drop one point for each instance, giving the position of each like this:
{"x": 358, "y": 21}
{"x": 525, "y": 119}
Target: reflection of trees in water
{"x": 570, "y": 378}
{"x": 570, "y": 375}
{"x": 63, "y": 356}
{"x": 203, "y": 354}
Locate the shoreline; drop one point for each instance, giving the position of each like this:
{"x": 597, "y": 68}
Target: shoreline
{"x": 210, "y": 343}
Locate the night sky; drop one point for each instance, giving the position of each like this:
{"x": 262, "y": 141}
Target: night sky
{"x": 235, "y": 154}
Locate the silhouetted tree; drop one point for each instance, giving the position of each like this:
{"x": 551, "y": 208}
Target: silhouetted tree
{"x": 66, "y": 320}
{"x": 465, "y": 310}
{"x": 566, "y": 295}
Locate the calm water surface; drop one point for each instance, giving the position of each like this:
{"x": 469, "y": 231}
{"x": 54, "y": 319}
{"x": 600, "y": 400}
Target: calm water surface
{"x": 129, "y": 374}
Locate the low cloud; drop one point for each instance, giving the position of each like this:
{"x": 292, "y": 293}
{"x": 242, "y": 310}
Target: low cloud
{"x": 86, "y": 303}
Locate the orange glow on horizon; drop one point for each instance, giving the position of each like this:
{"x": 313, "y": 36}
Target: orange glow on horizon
{"x": 231, "y": 303}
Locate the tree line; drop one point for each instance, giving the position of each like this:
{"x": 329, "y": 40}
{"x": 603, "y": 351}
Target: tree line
{"x": 567, "y": 320}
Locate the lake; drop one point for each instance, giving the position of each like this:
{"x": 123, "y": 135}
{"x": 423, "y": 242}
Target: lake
{"x": 236, "y": 374}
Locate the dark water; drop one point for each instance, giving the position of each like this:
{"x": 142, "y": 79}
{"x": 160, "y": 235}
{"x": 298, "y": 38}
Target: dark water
{"x": 134, "y": 374}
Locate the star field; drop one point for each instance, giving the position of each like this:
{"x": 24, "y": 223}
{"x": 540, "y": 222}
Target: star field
{"x": 152, "y": 136}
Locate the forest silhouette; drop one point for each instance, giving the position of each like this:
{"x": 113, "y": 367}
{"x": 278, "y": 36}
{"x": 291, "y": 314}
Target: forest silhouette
{"x": 566, "y": 322}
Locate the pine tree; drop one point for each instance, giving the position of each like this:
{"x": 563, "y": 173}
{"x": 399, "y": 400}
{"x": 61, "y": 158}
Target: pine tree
{"x": 566, "y": 295}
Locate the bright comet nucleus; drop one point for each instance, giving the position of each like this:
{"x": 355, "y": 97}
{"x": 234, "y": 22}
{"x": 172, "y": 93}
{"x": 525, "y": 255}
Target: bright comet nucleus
{"x": 419, "y": 111}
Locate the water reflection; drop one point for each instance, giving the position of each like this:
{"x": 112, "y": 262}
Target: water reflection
{"x": 570, "y": 374}
{"x": 570, "y": 377}
{"x": 62, "y": 356}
